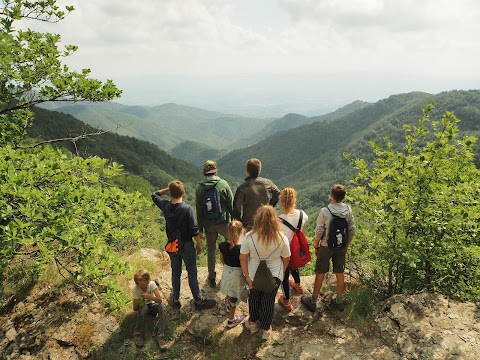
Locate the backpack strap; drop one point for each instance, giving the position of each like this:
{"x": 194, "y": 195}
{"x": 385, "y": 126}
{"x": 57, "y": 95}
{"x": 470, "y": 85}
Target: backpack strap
{"x": 331, "y": 212}
{"x": 300, "y": 221}
{"x": 287, "y": 224}
{"x": 253, "y": 242}
{"x": 290, "y": 226}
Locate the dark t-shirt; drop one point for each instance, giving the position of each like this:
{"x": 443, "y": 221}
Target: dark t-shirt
{"x": 179, "y": 215}
{"x": 231, "y": 257}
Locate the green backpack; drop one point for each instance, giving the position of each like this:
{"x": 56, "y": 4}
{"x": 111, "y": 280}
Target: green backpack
{"x": 263, "y": 279}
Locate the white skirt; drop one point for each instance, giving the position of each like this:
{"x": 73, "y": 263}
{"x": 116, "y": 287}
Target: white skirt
{"x": 233, "y": 283}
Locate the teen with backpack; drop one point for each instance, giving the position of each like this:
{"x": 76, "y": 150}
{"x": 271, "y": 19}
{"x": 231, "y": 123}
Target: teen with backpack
{"x": 291, "y": 220}
{"x": 333, "y": 234}
{"x": 214, "y": 205}
{"x": 264, "y": 255}
{"x": 180, "y": 220}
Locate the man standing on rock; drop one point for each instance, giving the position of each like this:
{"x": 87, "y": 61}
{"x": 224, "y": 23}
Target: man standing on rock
{"x": 214, "y": 205}
{"x": 336, "y": 209}
{"x": 253, "y": 193}
{"x": 181, "y": 224}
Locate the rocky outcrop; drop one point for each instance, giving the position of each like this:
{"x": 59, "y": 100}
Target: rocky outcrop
{"x": 430, "y": 326}
{"x": 53, "y": 325}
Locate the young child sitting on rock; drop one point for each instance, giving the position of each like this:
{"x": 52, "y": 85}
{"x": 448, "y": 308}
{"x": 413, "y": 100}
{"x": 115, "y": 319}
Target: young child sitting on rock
{"x": 147, "y": 301}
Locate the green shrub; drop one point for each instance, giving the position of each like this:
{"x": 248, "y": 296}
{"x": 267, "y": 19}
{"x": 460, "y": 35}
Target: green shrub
{"x": 418, "y": 212}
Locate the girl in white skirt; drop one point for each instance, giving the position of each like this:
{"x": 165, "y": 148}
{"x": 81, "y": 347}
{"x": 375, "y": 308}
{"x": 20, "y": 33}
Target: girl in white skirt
{"x": 233, "y": 283}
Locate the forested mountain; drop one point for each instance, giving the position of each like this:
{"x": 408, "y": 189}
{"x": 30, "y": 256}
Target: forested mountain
{"x": 291, "y": 121}
{"x": 195, "y": 153}
{"x": 166, "y": 125}
{"x": 138, "y": 157}
{"x": 310, "y": 157}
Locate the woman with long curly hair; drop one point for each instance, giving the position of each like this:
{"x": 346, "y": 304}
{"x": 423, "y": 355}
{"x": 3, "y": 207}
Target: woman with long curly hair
{"x": 264, "y": 242}
{"x": 290, "y": 217}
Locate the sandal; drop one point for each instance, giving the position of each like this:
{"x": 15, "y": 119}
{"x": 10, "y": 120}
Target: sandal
{"x": 287, "y": 304}
{"x": 297, "y": 287}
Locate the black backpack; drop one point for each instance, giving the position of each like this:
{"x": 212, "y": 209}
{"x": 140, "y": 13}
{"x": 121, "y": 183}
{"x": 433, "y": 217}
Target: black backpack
{"x": 337, "y": 233}
{"x": 210, "y": 202}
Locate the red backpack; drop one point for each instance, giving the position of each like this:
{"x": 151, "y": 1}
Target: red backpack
{"x": 299, "y": 248}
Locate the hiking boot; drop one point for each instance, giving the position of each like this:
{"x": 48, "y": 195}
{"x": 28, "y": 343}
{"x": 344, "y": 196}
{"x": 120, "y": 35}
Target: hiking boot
{"x": 205, "y": 304}
{"x": 138, "y": 339}
{"x": 173, "y": 302}
{"x": 287, "y": 304}
{"x": 237, "y": 320}
{"x": 297, "y": 287}
{"x": 212, "y": 283}
{"x": 309, "y": 303}
{"x": 340, "y": 306}
{"x": 252, "y": 326}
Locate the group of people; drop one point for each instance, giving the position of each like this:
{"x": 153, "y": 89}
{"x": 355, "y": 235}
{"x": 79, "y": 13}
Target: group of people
{"x": 253, "y": 235}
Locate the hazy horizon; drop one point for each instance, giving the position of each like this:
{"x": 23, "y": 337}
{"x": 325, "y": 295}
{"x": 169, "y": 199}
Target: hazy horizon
{"x": 275, "y": 95}
{"x": 273, "y": 57}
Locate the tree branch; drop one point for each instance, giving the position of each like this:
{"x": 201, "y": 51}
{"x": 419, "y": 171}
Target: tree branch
{"x": 72, "y": 139}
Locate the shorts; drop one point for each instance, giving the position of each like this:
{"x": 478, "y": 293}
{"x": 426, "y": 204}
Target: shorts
{"x": 322, "y": 265}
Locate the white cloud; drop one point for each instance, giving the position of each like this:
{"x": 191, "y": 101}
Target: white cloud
{"x": 119, "y": 38}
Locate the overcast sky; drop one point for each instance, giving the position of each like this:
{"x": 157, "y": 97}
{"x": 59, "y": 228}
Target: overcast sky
{"x": 171, "y": 47}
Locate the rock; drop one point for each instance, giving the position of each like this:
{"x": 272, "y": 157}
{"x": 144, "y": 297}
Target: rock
{"x": 399, "y": 314}
{"x": 200, "y": 326}
{"x": 11, "y": 334}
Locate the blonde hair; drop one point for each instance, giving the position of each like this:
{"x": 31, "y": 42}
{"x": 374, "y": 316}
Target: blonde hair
{"x": 288, "y": 199}
{"x": 235, "y": 229}
{"x": 266, "y": 225}
{"x": 141, "y": 274}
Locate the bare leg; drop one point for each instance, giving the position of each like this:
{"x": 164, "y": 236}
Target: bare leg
{"x": 231, "y": 313}
{"x": 318, "y": 284}
{"x": 340, "y": 284}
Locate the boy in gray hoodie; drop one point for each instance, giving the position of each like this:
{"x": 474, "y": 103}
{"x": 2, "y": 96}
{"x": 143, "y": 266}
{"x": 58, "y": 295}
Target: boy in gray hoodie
{"x": 324, "y": 255}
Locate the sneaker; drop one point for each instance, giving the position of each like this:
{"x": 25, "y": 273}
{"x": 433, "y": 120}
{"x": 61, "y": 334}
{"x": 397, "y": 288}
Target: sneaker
{"x": 205, "y": 304}
{"x": 297, "y": 287}
{"x": 309, "y": 303}
{"x": 161, "y": 342}
{"x": 340, "y": 306}
{"x": 252, "y": 326}
{"x": 267, "y": 334}
{"x": 237, "y": 320}
{"x": 287, "y": 304}
{"x": 138, "y": 339}
{"x": 174, "y": 302}
{"x": 212, "y": 283}
{"x": 227, "y": 304}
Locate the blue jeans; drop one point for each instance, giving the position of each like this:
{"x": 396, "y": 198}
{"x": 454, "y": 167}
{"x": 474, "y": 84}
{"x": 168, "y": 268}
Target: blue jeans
{"x": 188, "y": 254}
